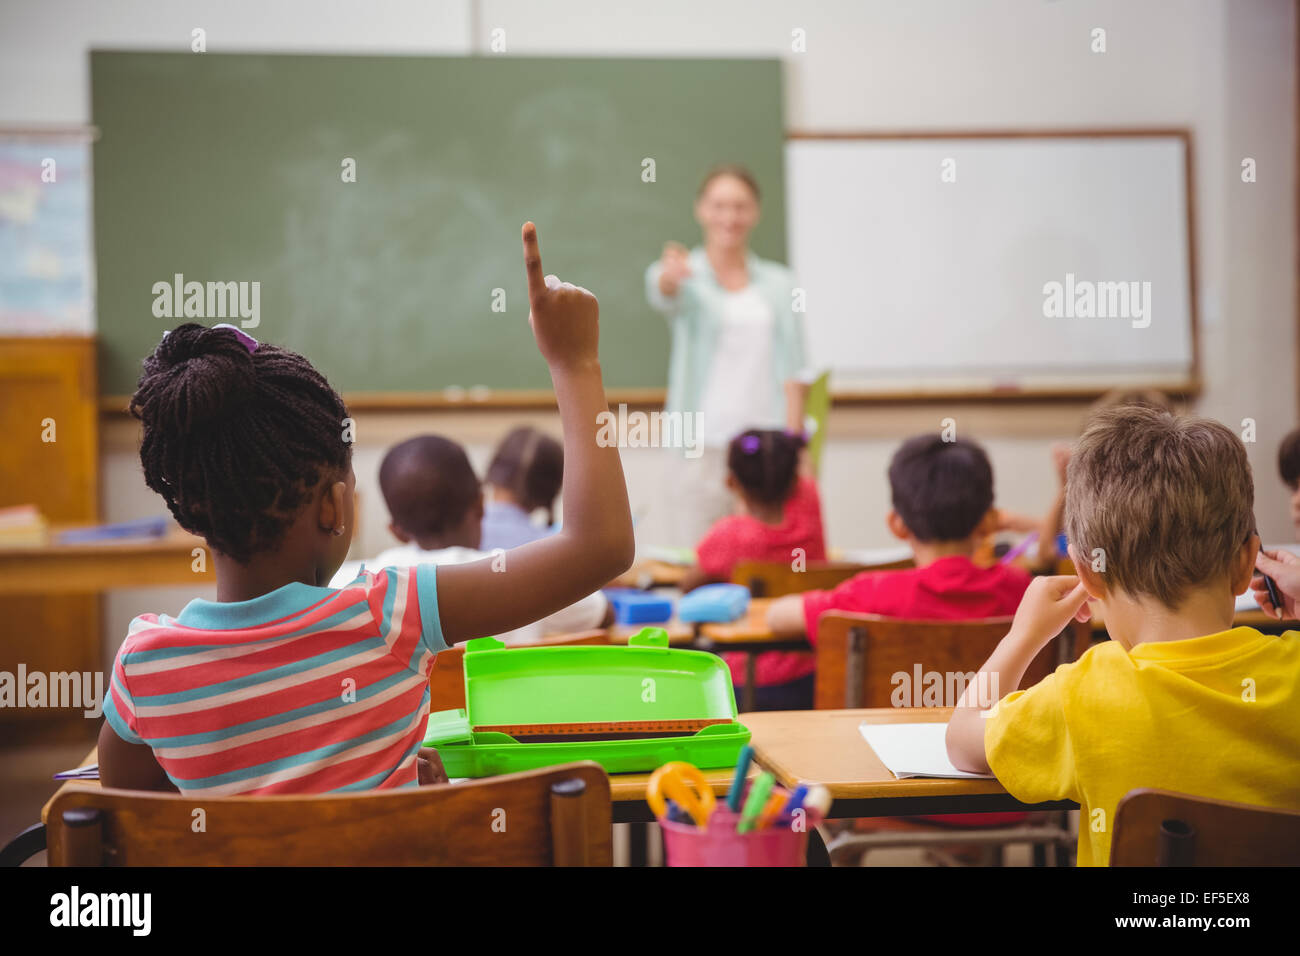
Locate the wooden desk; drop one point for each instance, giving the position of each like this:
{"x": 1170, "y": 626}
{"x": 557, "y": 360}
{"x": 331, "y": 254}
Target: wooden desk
{"x": 733, "y": 636}
{"x": 752, "y": 628}
{"x": 751, "y": 636}
{"x": 826, "y": 747}
{"x": 104, "y": 565}
{"x": 679, "y": 634}
{"x": 650, "y": 573}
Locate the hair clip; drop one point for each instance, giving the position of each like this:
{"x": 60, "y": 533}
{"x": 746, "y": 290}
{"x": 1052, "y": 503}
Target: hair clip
{"x": 749, "y": 444}
{"x": 246, "y": 340}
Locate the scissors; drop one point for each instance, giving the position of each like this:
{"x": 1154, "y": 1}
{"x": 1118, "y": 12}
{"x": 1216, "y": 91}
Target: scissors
{"x": 684, "y": 785}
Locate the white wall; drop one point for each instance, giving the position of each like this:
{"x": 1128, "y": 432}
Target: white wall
{"x": 45, "y": 70}
{"x": 1226, "y": 70}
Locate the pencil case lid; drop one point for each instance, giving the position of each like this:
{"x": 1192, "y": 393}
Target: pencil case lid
{"x": 714, "y": 602}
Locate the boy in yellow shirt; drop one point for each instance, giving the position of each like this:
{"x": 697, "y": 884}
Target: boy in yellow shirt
{"x": 1159, "y": 514}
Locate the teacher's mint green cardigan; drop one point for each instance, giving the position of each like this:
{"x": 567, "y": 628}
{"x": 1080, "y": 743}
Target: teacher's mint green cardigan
{"x": 695, "y": 313}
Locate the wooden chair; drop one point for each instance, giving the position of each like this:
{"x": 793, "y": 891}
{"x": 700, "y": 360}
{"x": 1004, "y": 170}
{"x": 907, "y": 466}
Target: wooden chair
{"x": 858, "y": 654}
{"x": 1163, "y": 828}
{"x": 857, "y": 658}
{"x": 775, "y": 578}
{"x": 447, "y": 679}
{"x": 557, "y": 816}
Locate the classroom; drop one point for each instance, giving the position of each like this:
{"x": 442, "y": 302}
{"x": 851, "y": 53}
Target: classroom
{"x": 840, "y": 434}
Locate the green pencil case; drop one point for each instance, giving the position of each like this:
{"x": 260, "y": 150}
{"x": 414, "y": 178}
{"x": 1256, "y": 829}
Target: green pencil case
{"x": 631, "y": 709}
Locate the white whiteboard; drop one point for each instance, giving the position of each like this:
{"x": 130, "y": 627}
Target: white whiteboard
{"x": 917, "y": 284}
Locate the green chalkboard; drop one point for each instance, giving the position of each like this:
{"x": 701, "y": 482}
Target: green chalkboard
{"x": 230, "y": 168}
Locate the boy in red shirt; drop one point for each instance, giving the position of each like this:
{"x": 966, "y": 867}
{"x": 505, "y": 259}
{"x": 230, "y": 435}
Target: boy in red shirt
{"x": 942, "y": 494}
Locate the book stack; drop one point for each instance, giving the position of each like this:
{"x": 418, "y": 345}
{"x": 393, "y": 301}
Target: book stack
{"x": 22, "y": 527}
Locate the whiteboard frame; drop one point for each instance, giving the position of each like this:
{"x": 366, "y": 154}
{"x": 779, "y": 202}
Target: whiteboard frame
{"x": 1182, "y": 386}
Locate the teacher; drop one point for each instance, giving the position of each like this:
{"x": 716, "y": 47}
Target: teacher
{"x": 737, "y": 349}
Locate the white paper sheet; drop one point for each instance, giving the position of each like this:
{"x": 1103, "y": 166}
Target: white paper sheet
{"x": 914, "y": 750}
{"x": 898, "y": 552}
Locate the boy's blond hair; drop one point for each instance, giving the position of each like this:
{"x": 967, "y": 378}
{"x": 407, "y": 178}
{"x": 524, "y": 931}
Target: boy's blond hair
{"x": 1168, "y": 500}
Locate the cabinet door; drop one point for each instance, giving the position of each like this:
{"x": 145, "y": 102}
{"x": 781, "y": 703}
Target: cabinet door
{"x": 48, "y": 390}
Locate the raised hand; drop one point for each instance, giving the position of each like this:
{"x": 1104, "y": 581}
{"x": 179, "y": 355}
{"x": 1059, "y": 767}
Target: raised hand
{"x": 595, "y": 544}
{"x": 564, "y": 317}
{"x": 674, "y": 268}
{"x": 1061, "y": 453}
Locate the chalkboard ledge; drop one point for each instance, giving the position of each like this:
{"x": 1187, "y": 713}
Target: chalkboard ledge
{"x": 545, "y": 398}
{"x": 466, "y": 399}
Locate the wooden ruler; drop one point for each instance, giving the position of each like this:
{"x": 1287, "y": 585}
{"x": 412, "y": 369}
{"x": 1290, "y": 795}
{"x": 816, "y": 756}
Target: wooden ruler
{"x": 603, "y": 730}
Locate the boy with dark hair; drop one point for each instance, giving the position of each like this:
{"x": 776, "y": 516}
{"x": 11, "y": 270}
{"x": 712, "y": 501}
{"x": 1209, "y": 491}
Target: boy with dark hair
{"x": 942, "y": 493}
{"x": 435, "y": 504}
{"x": 432, "y": 493}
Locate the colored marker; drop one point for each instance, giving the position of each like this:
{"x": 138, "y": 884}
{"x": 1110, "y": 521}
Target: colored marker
{"x": 772, "y": 809}
{"x": 754, "y": 803}
{"x": 677, "y": 815}
{"x": 796, "y": 800}
{"x": 737, "y": 792}
{"x": 1019, "y": 549}
{"x": 818, "y": 802}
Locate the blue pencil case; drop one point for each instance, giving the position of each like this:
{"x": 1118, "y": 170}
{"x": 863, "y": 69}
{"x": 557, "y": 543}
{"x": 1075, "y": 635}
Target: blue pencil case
{"x": 139, "y": 528}
{"x": 633, "y": 606}
{"x": 714, "y": 602}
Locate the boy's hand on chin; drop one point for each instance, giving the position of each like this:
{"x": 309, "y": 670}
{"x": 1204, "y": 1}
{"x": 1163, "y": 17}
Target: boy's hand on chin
{"x": 1049, "y": 604}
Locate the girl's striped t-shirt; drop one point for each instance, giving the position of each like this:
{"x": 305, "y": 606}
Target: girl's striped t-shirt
{"x": 302, "y": 690}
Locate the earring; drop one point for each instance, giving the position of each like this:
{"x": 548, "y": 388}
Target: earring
{"x": 337, "y": 532}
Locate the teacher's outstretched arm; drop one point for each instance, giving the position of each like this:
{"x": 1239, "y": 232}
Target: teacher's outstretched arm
{"x": 663, "y": 279}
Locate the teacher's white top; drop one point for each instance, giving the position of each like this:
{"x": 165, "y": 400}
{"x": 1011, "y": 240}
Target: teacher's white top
{"x": 737, "y": 394}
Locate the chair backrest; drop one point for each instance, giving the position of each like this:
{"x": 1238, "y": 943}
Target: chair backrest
{"x": 859, "y": 656}
{"x": 447, "y": 678}
{"x": 775, "y": 578}
{"x": 1163, "y": 828}
{"x": 555, "y": 816}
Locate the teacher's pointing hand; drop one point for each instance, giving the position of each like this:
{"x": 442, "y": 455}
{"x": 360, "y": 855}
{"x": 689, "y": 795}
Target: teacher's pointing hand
{"x": 674, "y": 268}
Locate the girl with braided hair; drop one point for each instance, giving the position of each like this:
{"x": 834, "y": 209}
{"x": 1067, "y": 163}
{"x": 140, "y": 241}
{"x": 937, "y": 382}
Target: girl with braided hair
{"x": 778, "y": 518}
{"x": 283, "y": 684}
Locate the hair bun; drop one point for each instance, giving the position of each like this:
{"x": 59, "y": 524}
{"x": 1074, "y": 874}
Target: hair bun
{"x": 197, "y": 374}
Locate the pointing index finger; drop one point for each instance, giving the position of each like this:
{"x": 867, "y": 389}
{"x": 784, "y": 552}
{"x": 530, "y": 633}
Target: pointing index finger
{"x": 533, "y": 263}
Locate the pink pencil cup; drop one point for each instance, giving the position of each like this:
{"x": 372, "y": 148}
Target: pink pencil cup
{"x": 721, "y": 845}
